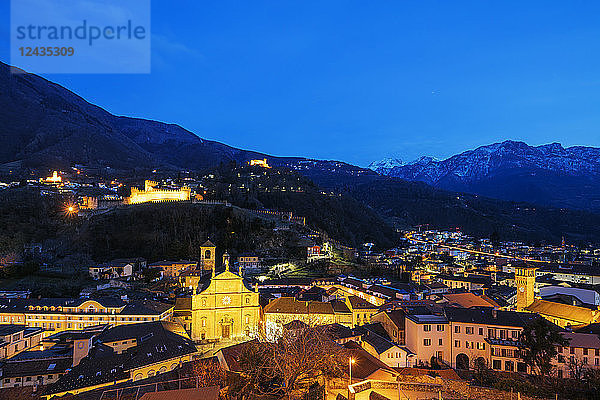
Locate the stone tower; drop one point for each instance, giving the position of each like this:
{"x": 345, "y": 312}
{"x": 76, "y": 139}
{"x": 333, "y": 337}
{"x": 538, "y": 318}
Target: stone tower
{"x": 525, "y": 280}
{"x": 207, "y": 256}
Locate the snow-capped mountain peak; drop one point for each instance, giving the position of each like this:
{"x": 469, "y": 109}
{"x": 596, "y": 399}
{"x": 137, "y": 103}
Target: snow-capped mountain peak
{"x": 384, "y": 166}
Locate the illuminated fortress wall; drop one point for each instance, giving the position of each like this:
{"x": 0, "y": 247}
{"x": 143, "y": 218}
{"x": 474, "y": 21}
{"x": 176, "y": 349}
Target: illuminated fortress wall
{"x": 152, "y": 194}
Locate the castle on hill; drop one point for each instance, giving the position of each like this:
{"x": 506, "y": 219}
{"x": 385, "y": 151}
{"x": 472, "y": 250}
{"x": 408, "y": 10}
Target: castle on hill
{"x": 152, "y": 193}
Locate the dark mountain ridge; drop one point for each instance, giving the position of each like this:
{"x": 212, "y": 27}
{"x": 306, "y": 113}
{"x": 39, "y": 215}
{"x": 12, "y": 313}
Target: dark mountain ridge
{"x": 43, "y": 125}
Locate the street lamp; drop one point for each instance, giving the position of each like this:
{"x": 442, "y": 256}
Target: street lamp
{"x": 350, "y": 362}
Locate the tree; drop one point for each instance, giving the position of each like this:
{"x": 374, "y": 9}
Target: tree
{"x": 538, "y": 345}
{"x": 577, "y": 368}
{"x": 209, "y": 373}
{"x": 298, "y": 355}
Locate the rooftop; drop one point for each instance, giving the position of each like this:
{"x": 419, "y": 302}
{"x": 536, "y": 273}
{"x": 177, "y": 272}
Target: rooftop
{"x": 488, "y": 316}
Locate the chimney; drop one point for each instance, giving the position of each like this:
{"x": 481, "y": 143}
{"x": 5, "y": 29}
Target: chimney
{"x": 494, "y": 313}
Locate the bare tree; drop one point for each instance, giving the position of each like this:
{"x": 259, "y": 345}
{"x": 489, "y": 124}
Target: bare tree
{"x": 577, "y": 368}
{"x": 299, "y": 355}
{"x": 209, "y": 373}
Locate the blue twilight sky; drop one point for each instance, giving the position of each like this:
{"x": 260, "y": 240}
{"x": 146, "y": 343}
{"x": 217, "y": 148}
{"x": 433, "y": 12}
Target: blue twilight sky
{"x": 358, "y": 80}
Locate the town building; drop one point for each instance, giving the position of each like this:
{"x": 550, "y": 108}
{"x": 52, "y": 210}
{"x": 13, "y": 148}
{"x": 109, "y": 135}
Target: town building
{"x": 249, "y": 263}
{"x": 119, "y": 268}
{"x": 172, "y": 269}
{"x": 15, "y": 339}
{"x": 284, "y": 310}
{"x": 468, "y": 283}
{"x": 58, "y": 314}
{"x": 126, "y": 353}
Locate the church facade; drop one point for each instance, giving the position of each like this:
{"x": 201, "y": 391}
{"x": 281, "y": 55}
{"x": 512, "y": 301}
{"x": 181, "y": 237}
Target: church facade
{"x": 224, "y": 309}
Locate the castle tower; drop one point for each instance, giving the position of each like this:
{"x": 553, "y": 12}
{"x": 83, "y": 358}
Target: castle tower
{"x": 525, "y": 280}
{"x": 207, "y": 256}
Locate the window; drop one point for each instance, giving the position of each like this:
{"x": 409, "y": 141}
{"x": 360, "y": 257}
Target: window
{"x": 509, "y": 366}
{"x": 559, "y": 349}
{"x": 480, "y": 331}
{"x": 585, "y": 351}
{"x": 497, "y": 364}
{"x": 469, "y": 330}
{"x": 572, "y": 350}
{"x": 491, "y": 334}
{"x": 440, "y": 328}
{"x": 7, "y": 380}
{"x": 440, "y": 341}
{"x": 597, "y": 352}
{"x": 427, "y": 328}
{"x": 457, "y": 343}
{"x": 597, "y": 361}
{"x": 514, "y": 334}
{"x": 426, "y": 342}
{"x": 585, "y": 360}
{"x": 457, "y": 329}
{"x": 561, "y": 358}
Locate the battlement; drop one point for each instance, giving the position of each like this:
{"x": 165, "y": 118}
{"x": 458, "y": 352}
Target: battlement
{"x": 152, "y": 193}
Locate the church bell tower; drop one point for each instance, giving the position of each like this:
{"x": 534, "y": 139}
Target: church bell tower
{"x": 207, "y": 256}
{"x": 525, "y": 280}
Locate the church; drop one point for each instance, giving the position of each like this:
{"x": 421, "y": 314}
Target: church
{"x": 220, "y": 308}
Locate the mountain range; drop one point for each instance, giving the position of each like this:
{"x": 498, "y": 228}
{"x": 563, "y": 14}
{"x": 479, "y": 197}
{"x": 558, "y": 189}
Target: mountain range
{"x": 549, "y": 175}
{"x": 45, "y": 126}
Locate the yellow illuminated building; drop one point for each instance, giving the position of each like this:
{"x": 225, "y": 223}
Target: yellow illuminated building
{"x": 259, "y": 163}
{"x": 56, "y": 315}
{"x": 224, "y": 308}
{"x": 152, "y": 193}
{"x": 54, "y": 179}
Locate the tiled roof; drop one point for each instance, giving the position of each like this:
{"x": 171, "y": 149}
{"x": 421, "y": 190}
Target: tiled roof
{"x": 488, "y": 316}
{"x": 40, "y": 362}
{"x": 482, "y": 280}
{"x": 468, "y": 300}
{"x": 337, "y": 331}
{"x": 155, "y": 342}
{"x": 360, "y": 304}
{"x": 397, "y": 317}
{"x": 147, "y": 307}
{"x": 583, "y": 340}
{"x": 231, "y": 354}
{"x": 289, "y": 305}
{"x": 563, "y": 311}
{"x": 365, "y": 364}
{"x": 378, "y": 342}
{"x": 206, "y": 393}
{"x": 11, "y": 329}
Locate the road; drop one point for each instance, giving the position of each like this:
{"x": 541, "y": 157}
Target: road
{"x": 483, "y": 253}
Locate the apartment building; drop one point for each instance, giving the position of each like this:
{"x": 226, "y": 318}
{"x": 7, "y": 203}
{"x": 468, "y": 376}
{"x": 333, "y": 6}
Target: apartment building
{"x": 59, "y": 314}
